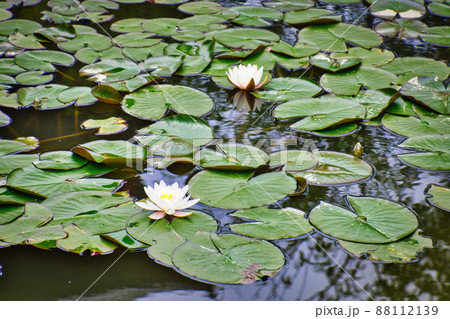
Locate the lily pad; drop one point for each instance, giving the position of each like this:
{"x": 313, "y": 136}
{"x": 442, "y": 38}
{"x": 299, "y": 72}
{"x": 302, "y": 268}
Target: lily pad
{"x": 59, "y": 160}
{"x": 4, "y": 119}
{"x": 437, "y": 35}
{"x": 240, "y": 260}
{"x": 9, "y": 196}
{"x": 146, "y": 230}
{"x": 128, "y": 25}
{"x": 95, "y": 41}
{"x": 232, "y": 156}
{"x": 240, "y": 190}
{"x": 299, "y": 50}
{"x": 122, "y": 238}
{"x": 373, "y": 58}
{"x": 111, "y": 125}
{"x": 428, "y": 91}
{"x": 162, "y": 65}
{"x": 271, "y": 224}
{"x": 201, "y": 7}
{"x": 10, "y": 212}
{"x": 332, "y": 37}
{"x": 79, "y": 241}
{"x": 110, "y": 70}
{"x": 350, "y": 82}
{"x": 312, "y": 16}
{"x": 286, "y": 89}
{"x": 42, "y": 183}
{"x": 336, "y": 168}
{"x": 152, "y": 102}
{"x": 404, "y": 250}
{"x": 440, "y": 8}
{"x": 23, "y": 26}
{"x": 437, "y": 155}
{"x": 439, "y": 196}
{"x": 21, "y": 144}
{"x": 107, "y": 94}
{"x": 410, "y": 67}
{"x": 8, "y": 163}
{"x": 256, "y": 16}
{"x": 164, "y": 245}
{"x": 293, "y": 160}
{"x": 33, "y": 78}
{"x": 372, "y": 220}
{"x": 29, "y": 42}
{"x": 113, "y": 153}
{"x": 58, "y": 33}
{"x": 375, "y": 102}
{"x": 401, "y": 28}
{"x": 9, "y": 66}
{"x": 325, "y": 62}
{"x": 162, "y": 26}
{"x": 389, "y": 9}
{"x": 320, "y": 113}
{"x": 135, "y": 40}
{"x": 42, "y": 97}
{"x": 245, "y": 38}
{"x": 88, "y": 55}
{"x": 43, "y": 60}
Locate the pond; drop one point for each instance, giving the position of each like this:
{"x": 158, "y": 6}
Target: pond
{"x": 327, "y": 182}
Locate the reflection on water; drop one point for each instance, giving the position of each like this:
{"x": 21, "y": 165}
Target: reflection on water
{"x": 317, "y": 269}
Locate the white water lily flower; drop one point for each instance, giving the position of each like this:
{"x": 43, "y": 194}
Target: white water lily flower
{"x": 246, "y": 77}
{"x": 165, "y": 199}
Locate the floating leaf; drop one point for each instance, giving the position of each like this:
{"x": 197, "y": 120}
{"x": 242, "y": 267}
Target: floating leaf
{"x": 299, "y": 50}
{"x": 9, "y": 213}
{"x": 245, "y": 38}
{"x": 21, "y": 144}
{"x": 429, "y": 91}
{"x": 110, "y": 70}
{"x": 135, "y": 40}
{"x": 293, "y": 160}
{"x": 373, "y": 220}
{"x": 9, "y": 66}
{"x": 128, "y": 25}
{"x": 286, "y": 89}
{"x": 402, "y": 28}
{"x": 240, "y": 260}
{"x": 232, "y": 156}
{"x": 440, "y": 8}
{"x": 271, "y": 224}
{"x": 320, "y": 113}
{"x": 437, "y": 35}
{"x": 114, "y": 153}
{"x": 152, "y": 102}
{"x": 162, "y": 65}
{"x": 23, "y": 26}
{"x": 111, "y": 125}
{"x": 88, "y": 55}
{"x": 79, "y": 241}
{"x": 122, "y": 238}
{"x": 146, "y": 230}
{"x": 336, "y": 168}
{"x": 33, "y": 78}
{"x": 375, "y": 102}
{"x": 439, "y": 196}
{"x": 312, "y": 16}
{"x": 80, "y": 95}
{"x": 373, "y": 58}
{"x": 410, "y": 67}
{"x": 332, "y": 37}
{"x": 404, "y": 250}
{"x": 201, "y": 23}
{"x": 8, "y": 163}
{"x": 43, "y": 60}
{"x": 9, "y": 196}
{"x": 256, "y": 16}
{"x": 42, "y": 97}
{"x": 162, "y": 26}
{"x": 201, "y": 7}
{"x": 164, "y": 245}
{"x": 42, "y": 183}
{"x": 4, "y": 119}
{"x": 388, "y": 9}
{"x": 58, "y": 33}
{"x": 350, "y": 82}
{"x": 95, "y": 41}
{"x": 437, "y": 156}
{"x": 60, "y": 160}
{"x": 107, "y": 94}
{"x": 240, "y": 190}
{"x": 325, "y": 62}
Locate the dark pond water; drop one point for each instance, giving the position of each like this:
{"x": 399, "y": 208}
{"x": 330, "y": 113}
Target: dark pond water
{"x": 317, "y": 269}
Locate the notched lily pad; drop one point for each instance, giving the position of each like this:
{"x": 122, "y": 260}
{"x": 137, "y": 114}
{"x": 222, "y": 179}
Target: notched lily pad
{"x": 109, "y": 126}
{"x": 439, "y": 196}
{"x": 59, "y": 160}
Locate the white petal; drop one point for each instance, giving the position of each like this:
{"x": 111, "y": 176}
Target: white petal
{"x": 147, "y": 205}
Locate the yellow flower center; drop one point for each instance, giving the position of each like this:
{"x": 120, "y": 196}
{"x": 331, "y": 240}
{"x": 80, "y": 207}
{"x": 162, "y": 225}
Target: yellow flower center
{"x": 168, "y": 196}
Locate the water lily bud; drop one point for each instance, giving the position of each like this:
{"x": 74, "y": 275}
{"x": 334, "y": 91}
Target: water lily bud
{"x": 358, "y": 150}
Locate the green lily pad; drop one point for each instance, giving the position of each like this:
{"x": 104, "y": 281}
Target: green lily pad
{"x": 201, "y": 7}
{"x": 15, "y": 231}
{"x": 110, "y": 70}
{"x": 332, "y": 37}
{"x": 299, "y": 50}
{"x": 256, "y": 16}
{"x": 338, "y": 130}
{"x": 33, "y": 78}
{"x": 404, "y": 250}
{"x": 162, "y": 26}
{"x": 401, "y": 28}
{"x": 59, "y": 160}
{"x": 312, "y": 16}
{"x": 162, "y": 65}
{"x": 128, "y": 25}
{"x": 325, "y": 62}
{"x": 58, "y": 33}
{"x": 29, "y": 42}
{"x": 437, "y": 155}
{"x": 79, "y": 95}
{"x": 201, "y": 23}
{"x": 245, "y": 38}
{"x": 46, "y": 183}
{"x": 411, "y": 67}
{"x": 197, "y": 56}
{"x": 239, "y": 190}
{"x": 95, "y": 41}
{"x": 240, "y": 260}
{"x": 428, "y": 91}
{"x": 271, "y": 224}
{"x": 111, "y": 125}
{"x": 439, "y": 196}
{"x": 23, "y": 26}
{"x": 43, "y": 60}
{"x": 21, "y": 144}
{"x": 9, "y": 66}
{"x": 88, "y": 55}
{"x": 106, "y": 94}
{"x": 4, "y": 119}
{"x": 113, "y": 153}
{"x": 320, "y": 113}
{"x": 375, "y": 102}
{"x": 232, "y": 156}
{"x": 42, "y": 97}
{"x": 146, "y": 230}
{"x": 373, "y": 58}
{"x": 293, "y": 160}
{"x": 286, "y": 89}
{"x": 440, "y": 8}
{"x": 135, "y": 40}
{"x": 437, "y": 35}
{"x": 9, "y": 213}
{"x": 350, "y": 82}
{"x": 268, "y": 60}
{"x": 79, "y": 241}
{"x": 9, "y": 196}
{"x": 8, "y": 163}
{"x": 290, "y": 5}
{"x": 335, "y": 168}
{"x": 389, "y": 9}
{"x": 189, "y": 128}
{"x": 152, "y": 102}
{"x": 372, "y": 220}
{"x": 164, "y": 245}
{"x": 5, "y": 14}
{"x": 129, "y": 85}
{"x": 122, "y": 238}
